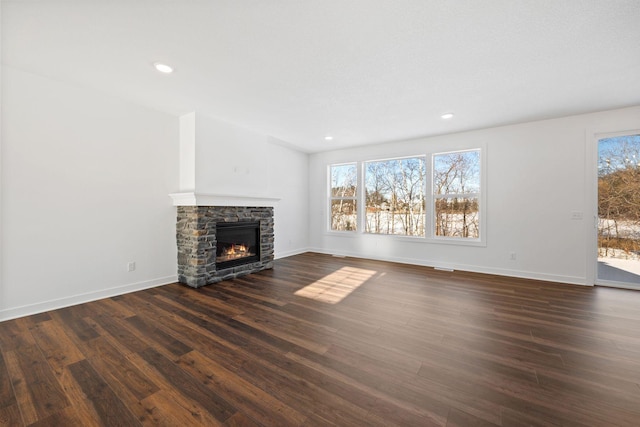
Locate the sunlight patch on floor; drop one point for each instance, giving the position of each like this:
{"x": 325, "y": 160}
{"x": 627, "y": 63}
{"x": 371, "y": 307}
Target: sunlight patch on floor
{"x": 336, "y": 286}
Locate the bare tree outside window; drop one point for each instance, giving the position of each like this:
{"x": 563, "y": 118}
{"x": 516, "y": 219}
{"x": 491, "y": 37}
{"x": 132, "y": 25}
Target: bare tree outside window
{"x": 456, "y": 191}
{"x": 344, "y": 185}
{"x": 394, "y": 199}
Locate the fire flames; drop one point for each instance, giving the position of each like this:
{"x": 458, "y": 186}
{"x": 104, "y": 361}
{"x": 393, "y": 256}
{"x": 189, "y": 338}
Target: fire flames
{"x": 234, "y": 252}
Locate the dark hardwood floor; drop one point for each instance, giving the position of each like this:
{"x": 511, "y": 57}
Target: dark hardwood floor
{"x": 321, "y": 340}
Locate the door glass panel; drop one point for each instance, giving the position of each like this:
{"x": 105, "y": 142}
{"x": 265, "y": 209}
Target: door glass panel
{"x": 619, "y": 211}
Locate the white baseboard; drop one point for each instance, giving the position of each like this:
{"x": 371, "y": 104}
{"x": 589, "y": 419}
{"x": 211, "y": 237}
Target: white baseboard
{"x": 572, "y": 280}
{"x": 26, "y": 310}
{"x": 291, "y": 253}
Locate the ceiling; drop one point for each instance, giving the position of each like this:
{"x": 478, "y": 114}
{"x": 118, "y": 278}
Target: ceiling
{"x": 362, "y": 71}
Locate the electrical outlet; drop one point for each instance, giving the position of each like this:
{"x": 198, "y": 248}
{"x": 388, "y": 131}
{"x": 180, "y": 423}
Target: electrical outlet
{"x": 131, "y": 266}
{"x": 512, "y": 256}
{"x": 577, "y": 215}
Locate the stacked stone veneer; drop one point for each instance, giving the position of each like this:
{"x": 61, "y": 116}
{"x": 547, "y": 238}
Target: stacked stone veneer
{"x": 196, "y": 235}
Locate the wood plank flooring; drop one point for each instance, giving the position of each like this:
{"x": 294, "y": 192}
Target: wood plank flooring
{"x": 321, "y": 340}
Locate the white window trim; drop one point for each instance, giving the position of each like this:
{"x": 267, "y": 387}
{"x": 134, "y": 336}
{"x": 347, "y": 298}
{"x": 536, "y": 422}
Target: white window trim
{"x": 331, "y": 198}
{"x": 430, "y": 198}
{"x": 363, "y": 195}
{"x": 480, "y": 195}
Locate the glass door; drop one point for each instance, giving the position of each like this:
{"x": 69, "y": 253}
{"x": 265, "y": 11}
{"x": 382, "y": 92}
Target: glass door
{"x": 618, "y": 220}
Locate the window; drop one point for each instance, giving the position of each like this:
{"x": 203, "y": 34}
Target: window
{"x": 394, "y": 196}
{"x": 441, "y": 201}
{"x": 343, "y": 197}
{"x": 456, "y": 194}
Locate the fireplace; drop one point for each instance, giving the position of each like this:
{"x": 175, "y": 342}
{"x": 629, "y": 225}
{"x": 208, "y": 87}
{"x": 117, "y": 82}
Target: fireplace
{"x": 237, "y": 243}
{"x": 222, "y": 242}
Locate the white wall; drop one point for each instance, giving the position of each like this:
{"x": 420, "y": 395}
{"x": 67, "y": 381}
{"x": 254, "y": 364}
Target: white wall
{"x": 85, "y": 184}
{"x": 536, "y": 178}
{"x": 231, "y": 160}
{"x": 188, "y": 152}
{"x": 289, "y": 181}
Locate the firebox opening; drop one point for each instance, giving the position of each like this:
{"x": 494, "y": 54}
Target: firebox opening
{"x": 237, "y": 243}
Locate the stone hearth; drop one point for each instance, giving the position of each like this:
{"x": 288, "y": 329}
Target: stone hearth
{"x": 196, "y": 238}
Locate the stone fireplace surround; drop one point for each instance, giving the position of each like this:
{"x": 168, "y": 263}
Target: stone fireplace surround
{"x": 197, "y": 217}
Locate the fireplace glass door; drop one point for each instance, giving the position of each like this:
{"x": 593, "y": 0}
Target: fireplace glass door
{"x": 237, "y": 243}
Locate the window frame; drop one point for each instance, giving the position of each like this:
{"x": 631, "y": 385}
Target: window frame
{"x": 363, "y": 163}
{"x": 433, "y": 197}
{"x": 429, "y": 212}
{"x": 355, "y": 198}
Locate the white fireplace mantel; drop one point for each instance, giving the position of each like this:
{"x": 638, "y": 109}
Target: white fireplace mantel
{"x": 200, "y": 199}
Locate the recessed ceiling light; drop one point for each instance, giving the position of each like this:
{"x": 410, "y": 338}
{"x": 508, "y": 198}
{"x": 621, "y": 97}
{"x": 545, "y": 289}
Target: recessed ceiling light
{"x": 447, "y": 116}
{"x": 328, "y": 138}
{"x": 163, "y": 68}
